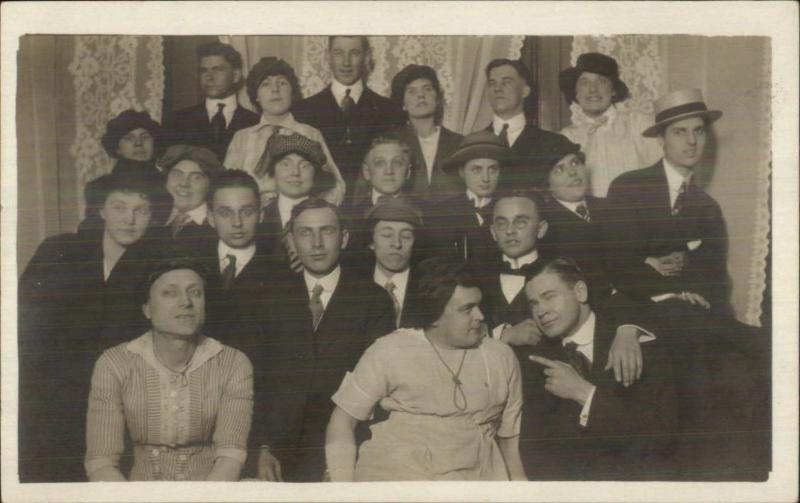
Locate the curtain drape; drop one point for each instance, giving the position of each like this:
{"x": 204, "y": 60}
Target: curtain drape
{"x": 459, "y": 62}
{"x": 736, "y": 171}
{"x": 69, "y": 87}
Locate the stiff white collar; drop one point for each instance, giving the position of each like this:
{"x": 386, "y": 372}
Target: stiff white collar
{"x": 339, "y": 90}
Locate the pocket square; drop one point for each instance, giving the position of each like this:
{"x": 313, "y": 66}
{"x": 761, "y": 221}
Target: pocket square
{"x": 693, "y": 245}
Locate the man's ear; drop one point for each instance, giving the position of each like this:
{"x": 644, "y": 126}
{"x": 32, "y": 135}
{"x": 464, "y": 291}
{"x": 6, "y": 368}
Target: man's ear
{"x": 345, "y": 239}
{"x": 210, "y": 216}
{"x": 102, "y": 213}
{"x": 365, "y": 171}
{"x": 581, "y": 291}
{"x": 526, "y": 91}
{"x": 494, "y": 234}
{"x": 543, "y": 225}
{"x": 461, "y": 172}
{"x": 660, "y": 141}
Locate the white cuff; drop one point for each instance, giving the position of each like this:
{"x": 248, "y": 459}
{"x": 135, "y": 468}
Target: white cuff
{"x": 584, "y": 419}
{"x": 663, "y": 296}
{"x": 646, "y": 336}
{"x": 498, "y": 330}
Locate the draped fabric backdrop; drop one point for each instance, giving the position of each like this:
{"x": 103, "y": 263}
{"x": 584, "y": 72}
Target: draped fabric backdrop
{"x": 736, "y": 171}
{"x": 459, "y": 62}
{"x": 69, "y": 87}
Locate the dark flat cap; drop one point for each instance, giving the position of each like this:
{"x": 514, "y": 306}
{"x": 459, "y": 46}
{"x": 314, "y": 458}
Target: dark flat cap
{"x": 395, "y": 209}
{"x": 282, "y": 144}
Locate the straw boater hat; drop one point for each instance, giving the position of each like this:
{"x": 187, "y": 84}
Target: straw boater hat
{"x": 679, "y": 105}
{"x": 592, "y": 62}
{"x": 480, "y": 145}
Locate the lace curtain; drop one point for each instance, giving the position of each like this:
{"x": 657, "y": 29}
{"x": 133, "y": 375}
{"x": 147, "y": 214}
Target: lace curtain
{"x": 111, "y": 73}
{"x": 653, "y": 64}
{"x": 458, "y": 60}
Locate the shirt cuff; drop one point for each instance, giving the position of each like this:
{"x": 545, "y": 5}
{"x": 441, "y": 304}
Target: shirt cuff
{"x": 498, "y": 330}
{"x": 646, "y": 336}
{"x": 234, "y": 453}
{"x": 663, "y": 297}
{"x": 584, "y": 419}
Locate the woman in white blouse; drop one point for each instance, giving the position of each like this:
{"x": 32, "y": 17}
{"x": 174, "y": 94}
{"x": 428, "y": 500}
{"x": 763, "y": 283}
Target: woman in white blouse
{"x": 273, "y": 87}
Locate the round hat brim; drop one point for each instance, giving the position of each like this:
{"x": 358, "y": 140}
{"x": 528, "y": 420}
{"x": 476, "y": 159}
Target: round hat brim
{"x": 653, "y": 130}
{"x": 484, "y": 151}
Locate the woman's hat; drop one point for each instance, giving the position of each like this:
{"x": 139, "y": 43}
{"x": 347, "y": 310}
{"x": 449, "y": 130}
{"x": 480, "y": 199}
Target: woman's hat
{"x": 203, "y": 157}
{"x": 548, "y": 153}
{"x": 123, "y": 124}
{"x": 679, "y": 105}
{"x": 280, "y": 145}
{"x": 479, "y": 145}
{"x": 592, "y": 62}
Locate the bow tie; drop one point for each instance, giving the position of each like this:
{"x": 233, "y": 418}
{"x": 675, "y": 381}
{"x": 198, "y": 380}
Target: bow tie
{"x": 524, "y": 271}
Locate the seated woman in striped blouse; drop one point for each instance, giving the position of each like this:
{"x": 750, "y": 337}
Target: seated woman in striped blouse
{"x": 187, "y": 399}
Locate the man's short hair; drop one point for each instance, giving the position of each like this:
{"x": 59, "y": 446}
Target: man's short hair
{"x": 517, "y": 64}
{"x": 364, "y": 41}
{"x": 217, "y": 48}
{"x": 439, "y": 277}
{"x": 566, "y": 268}
{"x": 158, "y": 267}
{"x": 232, "y": 178}
{"x": 315, "y": 203}
{"x": 390, "y": 138}
{"x": 508, "y": 191}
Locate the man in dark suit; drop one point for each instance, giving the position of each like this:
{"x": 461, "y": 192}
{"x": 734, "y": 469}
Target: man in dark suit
{"x": 318, "y": 323}
{"x": 672, "y": 250}
{"x": 578, "y": 224}
{"x": 579, "y": 423}
{"x": 212, "y": 124}
{"x": 460, "y": 224}
{"x": 348, "y": 113}
{"x": 238, "y": 265}
{"x": 509, "y": 84}
{"x": 395, "y": 225}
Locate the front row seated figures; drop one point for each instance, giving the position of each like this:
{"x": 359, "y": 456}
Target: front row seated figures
{"x": 454, "y": 396}
{"x": 185, "y": 399}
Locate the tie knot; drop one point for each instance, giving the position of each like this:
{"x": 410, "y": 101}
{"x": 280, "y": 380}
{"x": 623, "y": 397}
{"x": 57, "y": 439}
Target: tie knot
{"x": 220, "y": 106}
{"x": 389, "y": 286}
{"x": 316, "y": 292}
{"x": 505, "y": 128}
{"x": 347, "y": 92}
{"x": 231, "y": 259}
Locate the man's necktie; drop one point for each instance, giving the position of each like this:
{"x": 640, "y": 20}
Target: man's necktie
{"x": 180, "y": 221}
{"x": 678, "y": 205}
{"x": 504, "y": 135}
{"x": 578, "y": 360}
{"x": 524, "y": 270}
{"x": 485, "y": 213}
{"x": 229, "y": 273}
{"x": 315, "y": 304}
{"x": 291, "y": 253}
{"x": 390, "y": 287}
{"x": 218, "y": 122}
{"x": 347, "y": 102}
{"x": 263, "y": 161}
{"x": 583, "y": 212}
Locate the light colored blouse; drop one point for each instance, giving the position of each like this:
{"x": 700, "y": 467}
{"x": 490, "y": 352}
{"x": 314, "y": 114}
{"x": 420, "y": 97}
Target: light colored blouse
{"x": 613, "y": 143}
{"x": 247, "y": 147}
{"x": 433, "y": 433}
{"x": 179, "y": 422}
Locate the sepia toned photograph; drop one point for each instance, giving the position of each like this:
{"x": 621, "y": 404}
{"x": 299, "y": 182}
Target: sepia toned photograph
{"x": 298, "y": 259}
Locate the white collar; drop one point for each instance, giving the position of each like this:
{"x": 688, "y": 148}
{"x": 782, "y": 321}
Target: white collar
{"x": 585, "y": 333}
{"x": 516, "y": 123}
{"x": 144, "y": 346}
{"x": 328, "y": 282}
{"x": 606, "y": 118}
{"x": 674, "y": 177}
{"x": 198, "y": 215}
{"x": 339, "y": 90}
{"x": 479, "y": 202}
{"x": 230, "y": 106}
{"x": 285, "y": 207}
{"x": 377, "y": 195}
{"x": 400, "y": 279}
{"x": 572, "y": 206}
{"x": 243, "y": 255}
{"x": 286, "y": 121}
{"x": 528, "y": 258}
{"x": 431, "y": 138}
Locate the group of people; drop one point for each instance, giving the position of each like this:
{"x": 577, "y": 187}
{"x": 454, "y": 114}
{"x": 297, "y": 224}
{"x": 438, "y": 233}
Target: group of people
{"x": 340, "y": 288}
